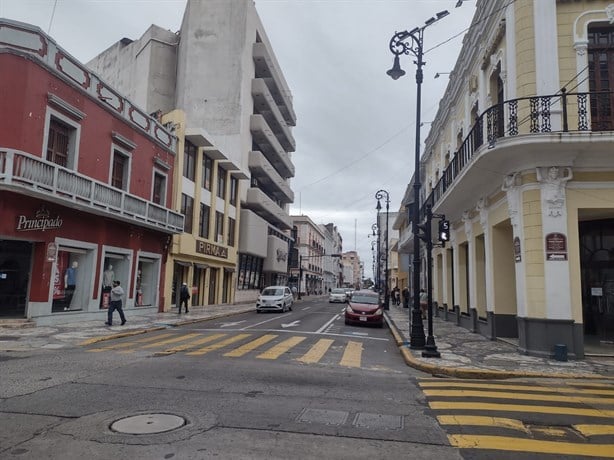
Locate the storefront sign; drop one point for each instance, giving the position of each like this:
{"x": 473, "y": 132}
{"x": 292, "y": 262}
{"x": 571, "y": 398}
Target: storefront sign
{"x": 42, "y": 220}
{"x": 517, "y": 251}
{"x": 211, "y": 249}
{"x": 556, "y": 247}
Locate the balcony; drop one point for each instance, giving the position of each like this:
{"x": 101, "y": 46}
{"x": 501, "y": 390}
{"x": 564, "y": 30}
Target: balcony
{"x": 562, "y": 129}
{"x": 267, "y": 69}
{"x": 28, "y": 174}
{"x": 270, "y": 146}
{"x": 268, "y": 178}
{"x": 267, "y": 107}
{"x": 262, "y": 205}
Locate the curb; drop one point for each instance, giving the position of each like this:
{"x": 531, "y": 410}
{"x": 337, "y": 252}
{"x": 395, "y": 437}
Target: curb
{"x": 483, "y": 374}
{"x": 121, "y": 335}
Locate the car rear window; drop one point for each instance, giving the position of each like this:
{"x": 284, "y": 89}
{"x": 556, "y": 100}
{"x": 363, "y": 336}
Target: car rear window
{"x": 370, "y": 299}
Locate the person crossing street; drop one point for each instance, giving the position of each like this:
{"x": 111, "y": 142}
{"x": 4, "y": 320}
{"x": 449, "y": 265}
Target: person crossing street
{"x": 117, "y": 293}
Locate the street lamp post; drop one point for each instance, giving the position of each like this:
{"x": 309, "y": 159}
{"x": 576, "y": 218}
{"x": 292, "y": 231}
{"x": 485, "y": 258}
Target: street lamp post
{"x": 378, "y": 196}
{"x": 374, "y": 228}
{"x": 412, "y": 43}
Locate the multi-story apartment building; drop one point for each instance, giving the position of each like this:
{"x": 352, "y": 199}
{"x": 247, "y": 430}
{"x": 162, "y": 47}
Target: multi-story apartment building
{"x": 519, "y": 160}
{"x": 85, "y": 187}
{"x": 220, "y": 70}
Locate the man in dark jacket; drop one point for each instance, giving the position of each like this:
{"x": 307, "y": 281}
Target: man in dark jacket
{"x": 184, "y": 296}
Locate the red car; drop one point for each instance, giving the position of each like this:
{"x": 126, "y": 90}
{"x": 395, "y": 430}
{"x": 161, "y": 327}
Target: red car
{"x": 364, "y": 308}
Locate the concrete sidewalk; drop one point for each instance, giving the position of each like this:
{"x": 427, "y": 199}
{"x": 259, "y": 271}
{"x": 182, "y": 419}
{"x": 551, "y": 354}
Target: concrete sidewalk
{"x": 469, "y": 355}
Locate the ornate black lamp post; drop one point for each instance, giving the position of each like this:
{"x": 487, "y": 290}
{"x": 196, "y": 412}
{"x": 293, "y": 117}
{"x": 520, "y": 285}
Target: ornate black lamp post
{"x": 378, "y": 196}
{"x": 375, "y": 228}
{"x": 412, "y": 43}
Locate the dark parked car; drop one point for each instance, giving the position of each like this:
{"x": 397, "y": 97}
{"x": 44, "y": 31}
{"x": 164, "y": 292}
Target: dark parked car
{"x": 364, "y": 308}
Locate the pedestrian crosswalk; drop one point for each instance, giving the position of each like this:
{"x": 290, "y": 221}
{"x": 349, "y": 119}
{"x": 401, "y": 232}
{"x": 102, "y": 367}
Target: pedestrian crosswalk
{"x": 571, "y": 418}
{"x": 311, "y": 349}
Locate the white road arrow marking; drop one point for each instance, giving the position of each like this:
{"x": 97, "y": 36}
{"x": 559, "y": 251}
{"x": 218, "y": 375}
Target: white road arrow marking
{"x": 231, "y": 324}
{"x": 292, "y": 324}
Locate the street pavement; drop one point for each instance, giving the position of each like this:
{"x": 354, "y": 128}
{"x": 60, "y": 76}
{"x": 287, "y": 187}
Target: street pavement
{"x": 463, "y": 354}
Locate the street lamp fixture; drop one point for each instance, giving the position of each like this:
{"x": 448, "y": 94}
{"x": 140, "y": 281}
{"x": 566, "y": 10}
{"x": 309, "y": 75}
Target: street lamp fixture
{"x": 439, "y": 74}
{"x": 378, "y": 196}
{"x": 374, "y": 229}
{"x": 413, "y": 43}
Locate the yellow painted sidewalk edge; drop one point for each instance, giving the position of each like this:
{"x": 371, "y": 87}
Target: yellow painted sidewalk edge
{"x": 465, "y": 373}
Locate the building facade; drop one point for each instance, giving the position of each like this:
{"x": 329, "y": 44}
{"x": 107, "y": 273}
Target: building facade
{"x": 85, "y": 187}
{"x": 309, "y": 272}
{"x": 352, "y": 269}
{"x": 221, "y": 71}
{"x": 333, "y": 244}
{"x": 519, "y": 160}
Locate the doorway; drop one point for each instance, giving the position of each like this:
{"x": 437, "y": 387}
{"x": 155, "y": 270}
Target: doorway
{"x": 15, "y": 265}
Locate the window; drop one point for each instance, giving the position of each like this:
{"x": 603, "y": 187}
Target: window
{"x": 57, "y": 142}
{"x": 250, "y": 270}
{"x": 120, "y": 170}
{"x": 207, "y": 171}
{"x": 187, "y": 209}
{"x": 231, "y": 231}
{"x": 189, "y": 160}
{"x": 203, "y": 221}
{"x": 234, "y": 187}
{"x": 219, "y": 227}
{"x": 221, "y": 182}
{"x": 159, "y": 189}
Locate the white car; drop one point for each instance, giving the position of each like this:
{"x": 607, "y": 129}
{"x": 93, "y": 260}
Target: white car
{"x": 337, "y": 295}
{"x": 275, "y": 298}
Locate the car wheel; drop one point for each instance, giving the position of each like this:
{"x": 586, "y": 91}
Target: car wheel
{"x": 290, "y": 307}
{"x": 283, "y": 308}
{"x": 347, "y": 323}
{"x": 257, "y": 311}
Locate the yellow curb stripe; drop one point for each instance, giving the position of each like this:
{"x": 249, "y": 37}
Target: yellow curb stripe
{"x": 194, "y": 343}
{"x": 514, "y": 395}
{"x": 281, "y": 348}
{"x": 352, "y": 355}
{"x": 453, "y": 405}
{"x": 316, "y": 352}
{"x": 594, "y": 430}
{"x": 505, "y": 443}
{"x": 477, "y": 420}
{"x": 250, "y": 346}
{"x": 218, "y": 345}
{"x": 181, "y": 338}
{"x": 503, "y": 386}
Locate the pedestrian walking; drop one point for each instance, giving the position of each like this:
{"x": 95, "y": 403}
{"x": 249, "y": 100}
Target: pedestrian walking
{"x": 405, "y": 297}
{"x": 424, "y": 301}
{"x": 397, "y": 296}
{"x": 184, "y": 296}
{"x": 117, "y": 292}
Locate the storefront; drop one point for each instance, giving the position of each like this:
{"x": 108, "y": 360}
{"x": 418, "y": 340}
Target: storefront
{"x": 54, "y": 262}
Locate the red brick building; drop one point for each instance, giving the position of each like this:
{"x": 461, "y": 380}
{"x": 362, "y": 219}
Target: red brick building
{"x": 85, "y": 187}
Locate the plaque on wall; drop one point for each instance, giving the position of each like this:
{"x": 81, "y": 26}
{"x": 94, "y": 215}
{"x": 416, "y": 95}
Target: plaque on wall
{"x": 517, "y": 252}
{"x": 556, "y": 247}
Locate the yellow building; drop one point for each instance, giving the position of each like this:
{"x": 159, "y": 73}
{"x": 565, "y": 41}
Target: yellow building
{"x": 206, "y": 191}
{"x": 519, "y": 159}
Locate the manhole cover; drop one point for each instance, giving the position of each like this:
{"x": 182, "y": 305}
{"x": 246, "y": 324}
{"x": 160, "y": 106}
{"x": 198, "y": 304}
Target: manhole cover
{"x": 148, "y": 424}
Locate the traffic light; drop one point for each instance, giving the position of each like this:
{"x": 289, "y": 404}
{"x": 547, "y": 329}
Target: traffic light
{"x": 444, "y": 230}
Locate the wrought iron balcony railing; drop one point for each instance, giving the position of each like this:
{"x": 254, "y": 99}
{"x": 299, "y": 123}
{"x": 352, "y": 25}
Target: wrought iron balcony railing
{"x": 557, "y": 113}
{"x": 20, "y": 170}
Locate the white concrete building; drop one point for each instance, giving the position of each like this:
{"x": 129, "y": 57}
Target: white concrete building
{"x": 220, "y": 69}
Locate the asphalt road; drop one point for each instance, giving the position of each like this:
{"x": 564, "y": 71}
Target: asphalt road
{"x": 276, "y": 386}
{"x": 296, "y": 385}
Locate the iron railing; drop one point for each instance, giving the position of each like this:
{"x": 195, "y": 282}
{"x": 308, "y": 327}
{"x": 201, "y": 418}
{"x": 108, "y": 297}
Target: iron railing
{"x": 562, "y": 112}
{"x": 22, "y": 170}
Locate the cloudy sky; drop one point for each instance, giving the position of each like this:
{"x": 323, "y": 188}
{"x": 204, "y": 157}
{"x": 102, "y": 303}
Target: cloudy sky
{"x": 355, "y": 132}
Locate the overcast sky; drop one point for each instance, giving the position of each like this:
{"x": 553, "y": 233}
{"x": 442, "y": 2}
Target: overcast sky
{"x": 355, "y": 131}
